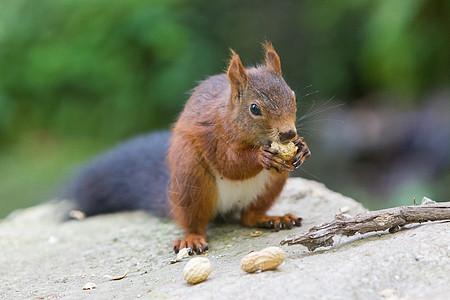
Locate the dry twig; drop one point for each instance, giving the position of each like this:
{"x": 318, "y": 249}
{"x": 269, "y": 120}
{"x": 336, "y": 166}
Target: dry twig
{"x": 379, "y": 220}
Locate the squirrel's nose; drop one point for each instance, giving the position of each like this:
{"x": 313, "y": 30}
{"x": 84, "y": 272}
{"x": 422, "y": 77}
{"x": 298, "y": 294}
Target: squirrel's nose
{"x": 286, "y": 136}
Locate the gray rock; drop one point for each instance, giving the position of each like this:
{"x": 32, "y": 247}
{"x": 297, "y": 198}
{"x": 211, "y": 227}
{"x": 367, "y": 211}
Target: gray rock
{"x": 46, "y": 258}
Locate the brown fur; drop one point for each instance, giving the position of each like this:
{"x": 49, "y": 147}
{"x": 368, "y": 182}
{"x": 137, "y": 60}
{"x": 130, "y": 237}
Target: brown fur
{"x": 217, "y": 134}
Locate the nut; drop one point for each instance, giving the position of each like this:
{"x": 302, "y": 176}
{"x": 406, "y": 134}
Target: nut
{"x": 267, "y": 259}
{"x": 183, "y": 253}
{"x": 197, "y": 270}
{"x": 287, "y": 151}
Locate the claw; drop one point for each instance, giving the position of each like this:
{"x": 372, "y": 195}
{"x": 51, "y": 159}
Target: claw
{"x": 285, "y": 165}
{"x": 297, "y": 163}
{"x": 268, "y": 159}
{"x": 288, "y": 221}
{"x": 302, "y": 154}
{"x": 193, "y": 243}
{"x": 270, "y": 150}
{"x": 298, "y": 141}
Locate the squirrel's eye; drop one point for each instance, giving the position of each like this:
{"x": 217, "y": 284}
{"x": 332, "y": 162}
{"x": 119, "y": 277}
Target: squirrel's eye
{"x": 255, "y": 110}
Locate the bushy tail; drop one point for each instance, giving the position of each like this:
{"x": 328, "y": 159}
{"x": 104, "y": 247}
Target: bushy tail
{"x": 134, "y": 175}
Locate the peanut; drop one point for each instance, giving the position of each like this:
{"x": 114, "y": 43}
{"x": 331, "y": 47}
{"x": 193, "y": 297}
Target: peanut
{"x": 267, "y": 259}
{"x": 287, "y": 151}
{"x": 197, "y": 270}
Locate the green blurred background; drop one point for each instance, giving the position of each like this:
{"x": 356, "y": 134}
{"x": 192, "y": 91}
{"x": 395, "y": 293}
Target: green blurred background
{"x": 76, "y": 77}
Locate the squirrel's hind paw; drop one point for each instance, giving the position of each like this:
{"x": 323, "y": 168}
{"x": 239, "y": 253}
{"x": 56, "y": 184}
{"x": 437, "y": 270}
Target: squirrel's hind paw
{"x": 287, "y": 221}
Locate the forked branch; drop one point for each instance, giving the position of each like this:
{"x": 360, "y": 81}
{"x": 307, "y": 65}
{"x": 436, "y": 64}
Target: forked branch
{"x": 379, "y": 220}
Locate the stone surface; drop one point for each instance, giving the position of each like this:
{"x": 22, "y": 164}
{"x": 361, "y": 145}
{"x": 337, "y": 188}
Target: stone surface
{"x": 43, "y": 257}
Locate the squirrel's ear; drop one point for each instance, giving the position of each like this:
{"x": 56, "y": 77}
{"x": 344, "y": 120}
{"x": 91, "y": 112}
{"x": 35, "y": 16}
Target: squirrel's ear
{"x": 237, "y": 76}
{"x": 273, "y": 63}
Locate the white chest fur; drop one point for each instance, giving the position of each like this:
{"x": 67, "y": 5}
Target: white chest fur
{"x": 238, "y": 194}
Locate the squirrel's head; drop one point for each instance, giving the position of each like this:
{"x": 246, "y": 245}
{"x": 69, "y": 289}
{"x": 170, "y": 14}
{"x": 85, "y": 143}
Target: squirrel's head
{"x": 261, "y": 102}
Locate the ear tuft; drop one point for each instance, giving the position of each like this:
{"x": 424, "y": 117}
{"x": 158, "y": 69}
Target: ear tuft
{"x": 273, "y": 63}
{"x": 237, "y": 76}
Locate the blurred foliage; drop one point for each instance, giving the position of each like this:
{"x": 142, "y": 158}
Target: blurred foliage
{"x": 102, "y": 68}
{"x": 105, "y": 70}
{"x": 32, "y": 169}
{"x": 111, "y": 68}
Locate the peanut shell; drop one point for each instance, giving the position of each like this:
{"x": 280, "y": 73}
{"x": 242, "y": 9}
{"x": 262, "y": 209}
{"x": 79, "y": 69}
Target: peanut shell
{"x": 267, "y": 259}
{"x": 287, "y": 151}
{"x": 197, "y": 270}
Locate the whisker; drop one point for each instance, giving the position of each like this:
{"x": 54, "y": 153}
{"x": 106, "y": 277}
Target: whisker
{"x": 310, "y": 135}
{"x": 323, "y": 104}
{"x": 310, "y": 174}
{"x": 306, "y": 87}
{"x": 318, "y": 111}
{"x": 323, "y": 120}
{"x": 309, "y": 94}
{"x": 309, "y": 128}
{"x": 311, "y": 107}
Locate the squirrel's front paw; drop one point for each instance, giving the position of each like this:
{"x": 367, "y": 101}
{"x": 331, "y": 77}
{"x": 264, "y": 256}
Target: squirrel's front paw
{"x": 268, "y": 159}
{"x": 193, "y": 242}
{"x": 302, "y": 152}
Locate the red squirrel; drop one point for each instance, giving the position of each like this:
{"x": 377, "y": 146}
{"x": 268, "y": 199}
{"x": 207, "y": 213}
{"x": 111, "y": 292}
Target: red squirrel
{"x": 219, "y": 159}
